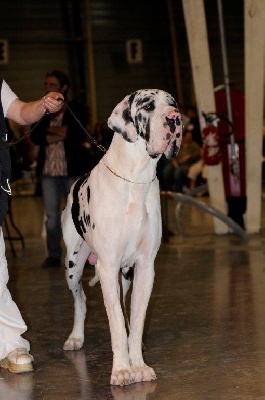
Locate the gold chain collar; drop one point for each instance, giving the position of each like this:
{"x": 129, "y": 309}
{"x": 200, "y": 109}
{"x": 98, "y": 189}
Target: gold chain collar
{"x": 127, "y": 180}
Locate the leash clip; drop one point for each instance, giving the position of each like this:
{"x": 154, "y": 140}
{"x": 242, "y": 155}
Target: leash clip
{"x": 102, "y": 148}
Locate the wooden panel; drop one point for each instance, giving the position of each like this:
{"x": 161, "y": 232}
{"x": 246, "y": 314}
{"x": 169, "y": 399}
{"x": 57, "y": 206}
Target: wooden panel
{"x": 203, "y": 84}
{"x": 254, "y": 56}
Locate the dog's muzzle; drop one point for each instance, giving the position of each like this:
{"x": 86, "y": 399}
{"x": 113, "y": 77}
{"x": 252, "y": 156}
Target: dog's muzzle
{"x": 172, "y": 120}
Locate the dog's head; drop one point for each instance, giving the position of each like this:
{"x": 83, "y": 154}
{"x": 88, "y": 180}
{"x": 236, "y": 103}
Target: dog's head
{"x": 150, "y": 114}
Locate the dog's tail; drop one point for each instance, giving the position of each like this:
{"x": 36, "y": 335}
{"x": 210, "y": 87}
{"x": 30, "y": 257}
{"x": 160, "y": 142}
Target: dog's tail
{"x": 94, "y": 280}
{"x": 92, "y": 259}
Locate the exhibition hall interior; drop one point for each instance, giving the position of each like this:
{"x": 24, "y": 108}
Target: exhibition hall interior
{"x": 136, "y": 77}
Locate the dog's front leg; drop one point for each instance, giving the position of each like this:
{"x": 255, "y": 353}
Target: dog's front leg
{"x": 122, "y": 373}
{"x": 142, "y": 288}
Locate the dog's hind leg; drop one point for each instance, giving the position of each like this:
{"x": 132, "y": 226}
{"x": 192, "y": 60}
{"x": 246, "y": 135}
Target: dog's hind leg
{"x": 75, "y": 259}
{"x": 126, "y": 279}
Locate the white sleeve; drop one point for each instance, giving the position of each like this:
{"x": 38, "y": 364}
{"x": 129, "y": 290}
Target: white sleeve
{"x": 7, "y": 97}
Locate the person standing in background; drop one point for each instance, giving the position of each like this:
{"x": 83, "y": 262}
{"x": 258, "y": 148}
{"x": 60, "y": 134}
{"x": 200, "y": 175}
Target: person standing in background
{"x": 63, "y": 157}
{"x": 14, "y": 349}
{"x": 176, "y": 172}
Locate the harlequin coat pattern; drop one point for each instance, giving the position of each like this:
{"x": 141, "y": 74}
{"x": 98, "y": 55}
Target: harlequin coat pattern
{"x": 113, "y": 219}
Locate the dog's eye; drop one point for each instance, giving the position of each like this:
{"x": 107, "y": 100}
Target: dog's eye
{"x": 149, "y": 107}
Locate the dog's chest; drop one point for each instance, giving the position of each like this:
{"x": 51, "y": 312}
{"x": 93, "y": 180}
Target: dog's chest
{"x": 117, "y": 216}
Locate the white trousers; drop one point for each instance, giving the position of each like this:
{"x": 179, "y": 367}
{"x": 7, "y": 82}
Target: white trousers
{"x": 11, "y": 323}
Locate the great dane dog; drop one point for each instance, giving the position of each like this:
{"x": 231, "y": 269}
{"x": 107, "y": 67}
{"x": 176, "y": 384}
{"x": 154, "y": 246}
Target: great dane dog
{"x": 113, "y": 219}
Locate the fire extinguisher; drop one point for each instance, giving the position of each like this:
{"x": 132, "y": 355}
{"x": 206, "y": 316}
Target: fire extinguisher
{"x": 211, "y": 143}
{"x": 212, "y": 138}
{"x": 212, "y": 152}
{"x": 217, "y": 149}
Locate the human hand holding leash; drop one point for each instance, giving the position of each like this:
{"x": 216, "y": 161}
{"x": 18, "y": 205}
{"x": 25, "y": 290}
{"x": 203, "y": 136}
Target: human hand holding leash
{"x": 53, "y": 102}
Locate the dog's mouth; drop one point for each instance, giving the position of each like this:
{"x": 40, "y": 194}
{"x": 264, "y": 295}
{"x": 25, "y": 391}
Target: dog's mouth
{"x": 155, "y": 155}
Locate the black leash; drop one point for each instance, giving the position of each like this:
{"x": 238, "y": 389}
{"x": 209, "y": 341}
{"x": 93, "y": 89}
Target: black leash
{"x": 91, "y": 138}
{"x": 23, "y": 137}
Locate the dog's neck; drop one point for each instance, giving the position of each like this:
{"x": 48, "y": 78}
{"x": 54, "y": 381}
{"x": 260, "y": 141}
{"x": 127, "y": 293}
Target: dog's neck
{"x": 128, "y": 180}
{"x": 130, "y": 161}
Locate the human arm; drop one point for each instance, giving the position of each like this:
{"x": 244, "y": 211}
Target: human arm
{"x": 26, "y": 113}
{"x": 42, "y": 134}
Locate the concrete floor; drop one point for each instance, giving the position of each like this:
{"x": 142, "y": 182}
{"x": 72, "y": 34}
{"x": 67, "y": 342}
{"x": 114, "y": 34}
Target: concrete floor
{"x": 204, "y": 332}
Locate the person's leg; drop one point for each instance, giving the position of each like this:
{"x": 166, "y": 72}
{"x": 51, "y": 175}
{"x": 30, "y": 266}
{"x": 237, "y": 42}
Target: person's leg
{"x": 13, "y": 348}
{"x": 193, "y": 173}
{"x": 52, "y": 194}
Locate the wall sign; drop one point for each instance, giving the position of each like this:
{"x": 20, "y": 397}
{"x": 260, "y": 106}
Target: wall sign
{"x": 134, "y": 51}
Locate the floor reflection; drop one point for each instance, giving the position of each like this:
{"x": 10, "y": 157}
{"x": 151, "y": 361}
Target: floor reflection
{"x": 16, "y": 386}
{"x": 137, "y": 391}
{"x": 78, "y": 359}
{"x": 204, "y": 331}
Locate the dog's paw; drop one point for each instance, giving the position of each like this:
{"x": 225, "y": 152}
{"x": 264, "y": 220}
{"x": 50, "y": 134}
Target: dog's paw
{"x": 122, "y": 377}
{"x": 144, "y": 374}
{"x": 73, "y": 343}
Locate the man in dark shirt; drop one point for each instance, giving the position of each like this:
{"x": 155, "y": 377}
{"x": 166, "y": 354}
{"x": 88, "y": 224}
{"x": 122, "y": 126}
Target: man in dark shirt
{"x": 62, "y": 158}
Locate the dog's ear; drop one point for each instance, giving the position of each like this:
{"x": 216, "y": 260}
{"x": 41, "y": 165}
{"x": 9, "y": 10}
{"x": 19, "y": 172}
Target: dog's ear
{"x": 121, "y": 121}
{"x": 175, "y": 142}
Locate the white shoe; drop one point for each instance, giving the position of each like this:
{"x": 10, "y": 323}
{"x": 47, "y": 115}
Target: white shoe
{"x": 18, "y": 361}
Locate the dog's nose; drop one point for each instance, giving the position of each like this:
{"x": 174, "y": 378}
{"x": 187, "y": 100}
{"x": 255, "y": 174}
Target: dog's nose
{"x": 171, "y": 122}
{"x": 172, "y": 114}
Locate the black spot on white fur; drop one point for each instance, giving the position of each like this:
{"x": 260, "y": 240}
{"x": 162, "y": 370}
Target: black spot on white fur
{"x": 79, "y": 221}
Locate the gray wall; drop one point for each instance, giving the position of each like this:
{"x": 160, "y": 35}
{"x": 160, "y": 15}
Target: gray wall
{"x": 36, "y": 44}
{"x": 51, "y": 34}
